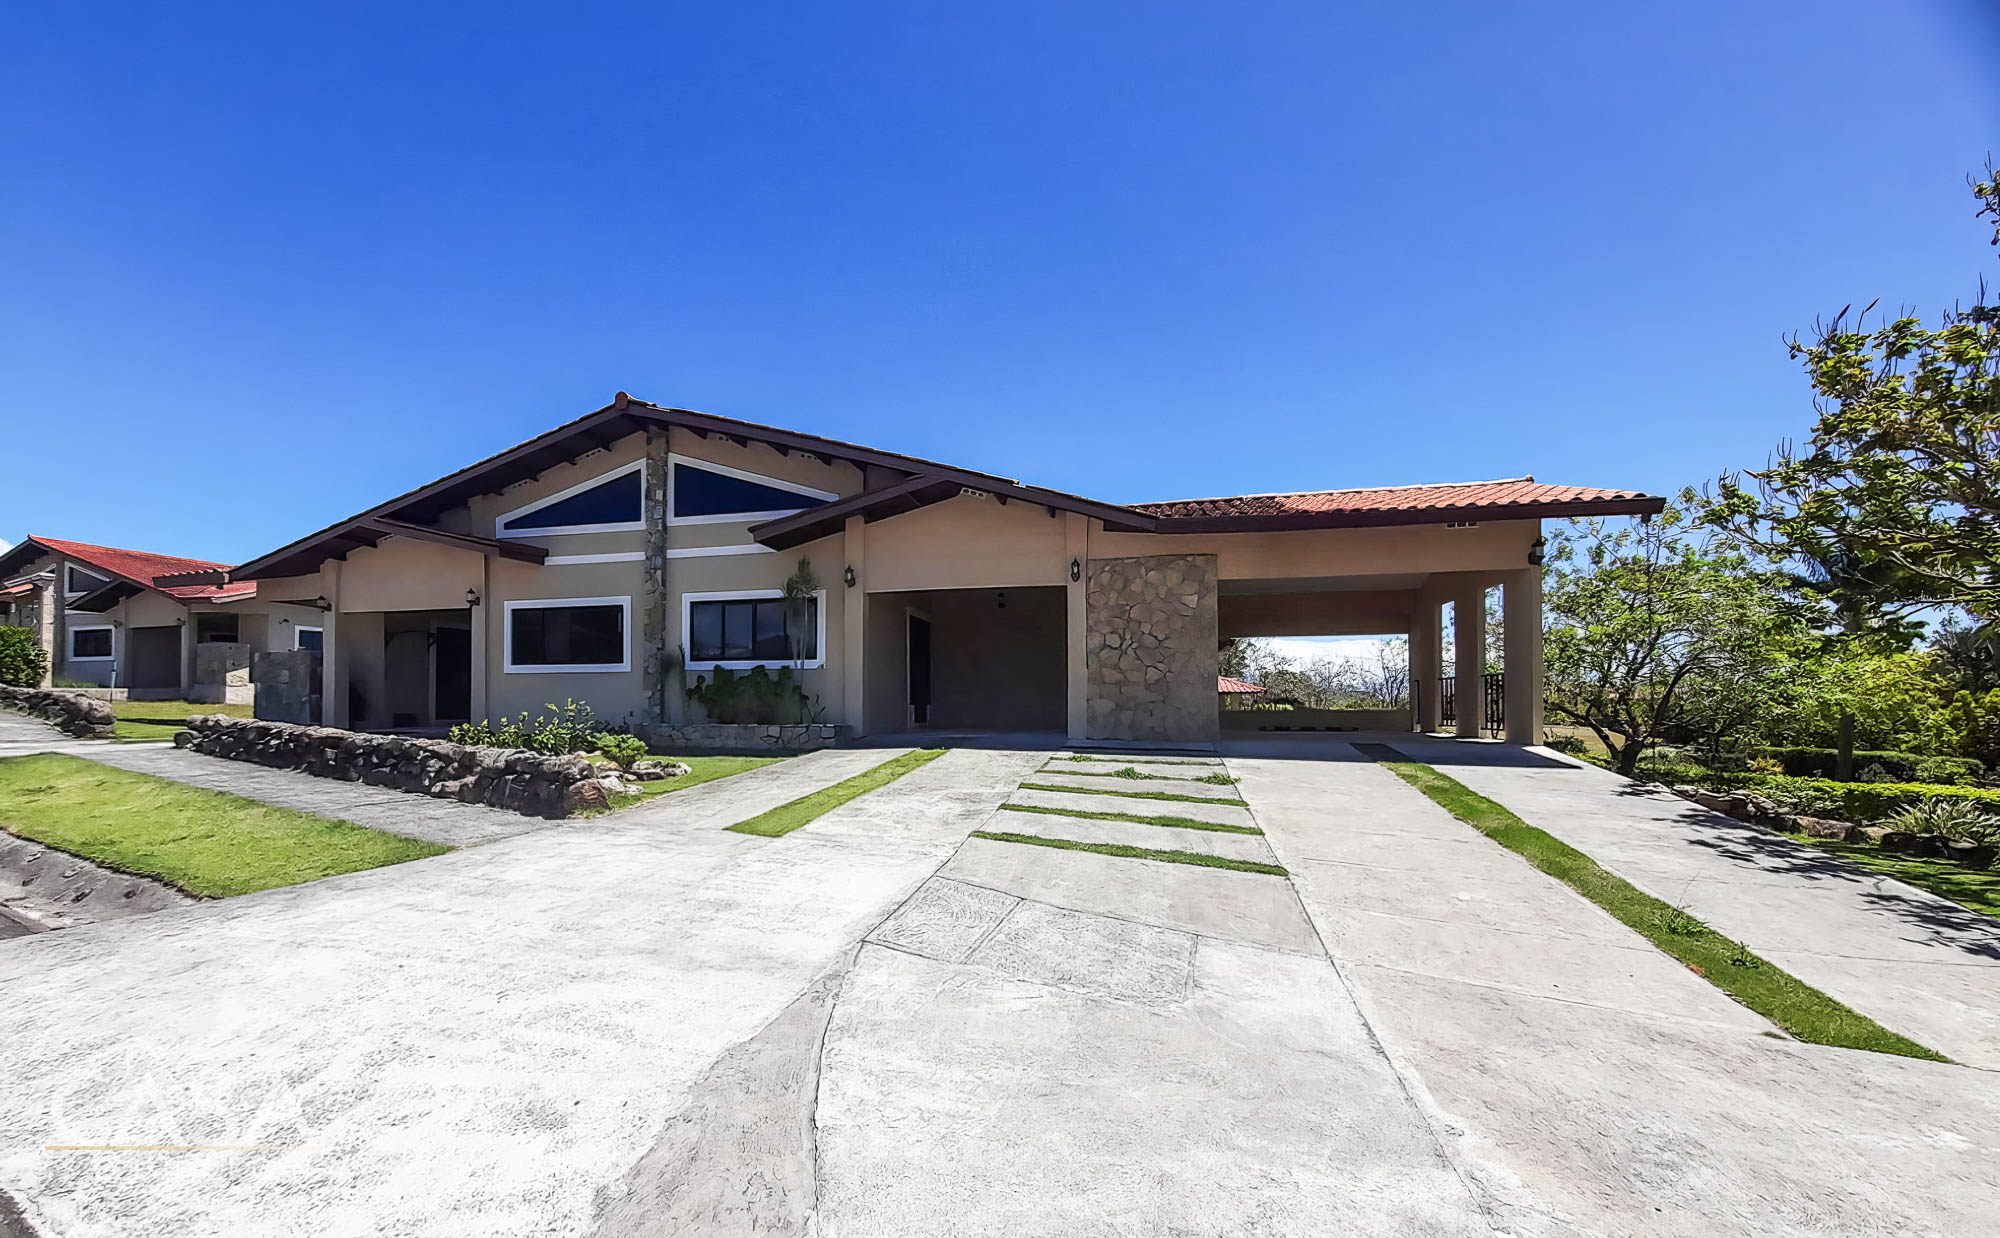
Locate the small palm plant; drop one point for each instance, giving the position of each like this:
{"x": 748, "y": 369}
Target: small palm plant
{"x": 1953, "y": 818}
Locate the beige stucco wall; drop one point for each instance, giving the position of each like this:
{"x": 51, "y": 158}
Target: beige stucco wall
{"x": 1355, "y": 613}
{"x": 968, "y": 543}
{"x": 1489, "y": 546}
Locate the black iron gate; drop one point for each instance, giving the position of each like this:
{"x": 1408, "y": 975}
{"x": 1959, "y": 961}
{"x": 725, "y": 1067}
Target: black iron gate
{"x": 1493, "y": 703}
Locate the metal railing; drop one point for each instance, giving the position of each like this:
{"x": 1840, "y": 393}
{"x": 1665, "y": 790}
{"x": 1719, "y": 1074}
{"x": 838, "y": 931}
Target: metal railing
{"x": 1493, "y": 702}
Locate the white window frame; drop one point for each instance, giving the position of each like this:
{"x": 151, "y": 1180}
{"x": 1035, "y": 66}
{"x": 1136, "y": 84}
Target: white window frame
{"x": 500, "y": 529}
{"x": 507, "y": 620}
{"x": 776, "y": 483}
{"x": 93, "y": 627}
{"x": 744, "y": 664}
{"x": 298, "y": 628}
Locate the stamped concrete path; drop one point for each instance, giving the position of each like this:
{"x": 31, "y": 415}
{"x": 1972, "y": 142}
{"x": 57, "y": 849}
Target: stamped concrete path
{"x": 1589, "y": 1084}
{"x": 1916, "y": 963}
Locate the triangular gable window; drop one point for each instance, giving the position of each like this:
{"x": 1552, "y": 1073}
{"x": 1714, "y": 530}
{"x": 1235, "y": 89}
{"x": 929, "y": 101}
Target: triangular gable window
{"x": 615, "y": 502}
{"x": 701, "y": 492}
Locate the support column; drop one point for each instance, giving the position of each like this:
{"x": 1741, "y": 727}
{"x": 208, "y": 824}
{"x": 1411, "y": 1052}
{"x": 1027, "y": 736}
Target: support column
{"x": 187, "y": 626}
{"x": 1076, "y": 550}
{"x": 1427, "y": 661}
{"x": 1468, "y": 633}
{"x": 854, "y": 628}
{"x": 482, "y": 627}
{"x": 1521, "y": 606}
{"x": 332, "y": 667}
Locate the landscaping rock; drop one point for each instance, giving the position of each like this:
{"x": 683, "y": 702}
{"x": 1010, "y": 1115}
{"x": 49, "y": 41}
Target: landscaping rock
{"x": 1821, "y": 827}
{"x": 72, "y": 713}
{"x": 1897, "y": 840}
{"x": 653, "y": 771}
{"x": 531, "y": 783}
{"x": 1971, "y": 855}
{"x": 742, "y": 737}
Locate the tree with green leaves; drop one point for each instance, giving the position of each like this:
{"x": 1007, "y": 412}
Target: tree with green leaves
{"x": 1893, "y": 503}
{"x": 1665, "y": 630}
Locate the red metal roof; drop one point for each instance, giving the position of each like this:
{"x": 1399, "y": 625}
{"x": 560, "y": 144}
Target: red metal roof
{"x": 1497, "y": 496}
{"x": 1234, "y": 687}
{"x": 144, "y": 568}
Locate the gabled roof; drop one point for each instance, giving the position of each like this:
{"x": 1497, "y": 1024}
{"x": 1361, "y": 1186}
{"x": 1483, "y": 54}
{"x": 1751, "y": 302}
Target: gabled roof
{"x": 1514, "y": 498}
{"x": 129, "y": 571}
{"x": 1226, "y": 686}
{"x": 896, "y": 483}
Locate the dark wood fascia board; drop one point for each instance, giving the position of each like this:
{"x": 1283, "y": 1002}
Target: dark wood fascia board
{"x": 520, "y": 552}
{"x": 1647, "y": 506}
{"x": 108, "y": 595}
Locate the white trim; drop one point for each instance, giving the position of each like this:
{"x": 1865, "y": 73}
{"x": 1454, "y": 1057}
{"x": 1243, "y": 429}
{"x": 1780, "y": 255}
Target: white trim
{"x": 760, "y": 479}
{"x": 507, "y": 635}
{"x": 298, "y": 628}
{"x": 637, "y": 466}
{"x": 70, "y": 654}
{"x": 613, "y": 556}
{"x": 750, "y": 595}
{"x": 706, "y": 552}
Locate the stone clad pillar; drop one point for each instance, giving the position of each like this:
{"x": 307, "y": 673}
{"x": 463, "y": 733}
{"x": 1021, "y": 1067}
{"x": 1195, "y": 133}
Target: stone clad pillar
{"x": 1521, "y": 607}
{"x": 1151, "y": 628}
{"x": 1468, "y": 633}
{"x": 1076, "y": 548}
{"x": 854, "y": 628}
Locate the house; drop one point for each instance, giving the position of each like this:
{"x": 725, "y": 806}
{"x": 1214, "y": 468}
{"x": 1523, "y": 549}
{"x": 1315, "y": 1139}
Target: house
{"x": 641, "y": 551}
{"x": 148, "y": 626}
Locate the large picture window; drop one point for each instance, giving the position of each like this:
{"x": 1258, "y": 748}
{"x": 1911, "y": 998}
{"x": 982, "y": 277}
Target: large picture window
{"x": 569, "y": 634}
{"x": 90, "y": 644}
{"x": 753, "y": 629}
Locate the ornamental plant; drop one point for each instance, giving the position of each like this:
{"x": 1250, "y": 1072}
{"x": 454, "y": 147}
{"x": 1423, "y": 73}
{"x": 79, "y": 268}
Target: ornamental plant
{"x": 23, "y": 661}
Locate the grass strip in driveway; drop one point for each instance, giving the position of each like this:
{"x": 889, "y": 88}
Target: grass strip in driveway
{"x": 788, "y": 817}
{"x": 1167, "y": 796}
{"x": 209, "y": 843}
{"x": 1216, "y": 779}
{"x": 1195, "y": 858}
{"x": 1782, "y": 998}
{"x": 1179, "y": 823}
{"x": 1146, "y": 760}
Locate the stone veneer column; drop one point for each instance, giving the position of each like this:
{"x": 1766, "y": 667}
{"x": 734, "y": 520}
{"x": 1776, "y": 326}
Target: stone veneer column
{"x": 1076, "y": 629}
{"x": 1150, "y": 648}
{"x": 655, "y": 659}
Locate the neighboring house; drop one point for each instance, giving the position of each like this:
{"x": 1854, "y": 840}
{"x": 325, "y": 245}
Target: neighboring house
{"x": 152, "y": 626}
{"x": 640, "y": 549}
{"x": 1237, "y": 693}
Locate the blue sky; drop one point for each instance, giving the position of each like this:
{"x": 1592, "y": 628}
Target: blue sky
{"x": 263, "y": 269}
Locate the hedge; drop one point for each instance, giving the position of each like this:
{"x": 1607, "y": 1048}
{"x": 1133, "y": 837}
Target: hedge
{"x": 1907, "y": 766}
{"x": 1860, "y": 802}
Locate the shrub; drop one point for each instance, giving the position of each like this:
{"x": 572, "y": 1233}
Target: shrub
{"x": 571, "y": 728}
{"x": 1844, "y": 801}
{"x": 1958, "y": 819}
{"x": 1572, "y": 745}
{"x": 624, "y": 750}
{"x": 23, "y": 661}
{"x": 1900, "y": 766}
{"x": 757, "y": 696}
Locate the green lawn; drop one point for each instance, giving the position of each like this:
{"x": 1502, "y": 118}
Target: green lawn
{"x": 1167, "y": 797}
{"x": 1790, "y": 1003}
{"x": 207, "y": 843}
{"x": 1196, "y": 858}
{"x": 1967, "y": 887}
{"x": 141, "y": 720}
{"x": 788, "y": 817}
{"x": 700, "y": 770}
{"x": 1178, "y": 823}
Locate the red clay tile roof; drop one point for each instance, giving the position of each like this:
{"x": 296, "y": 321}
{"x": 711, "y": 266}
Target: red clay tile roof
{"x": 1224, "y": 684}
{"x": 142, "y": 568}
{"x": 1497, "y": 496}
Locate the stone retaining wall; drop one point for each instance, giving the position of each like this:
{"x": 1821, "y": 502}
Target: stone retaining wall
{"x": 741, "y": 737}
{"x": 72, "y": 713}
{"x": 511, "y": 778}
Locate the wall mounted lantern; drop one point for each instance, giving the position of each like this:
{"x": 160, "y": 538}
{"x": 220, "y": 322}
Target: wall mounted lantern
{"x": 1075, "y": 570}
{"x": 1538, "y": 552}
{"x": 848, "y": 576}
{"x": 472, "y": 597}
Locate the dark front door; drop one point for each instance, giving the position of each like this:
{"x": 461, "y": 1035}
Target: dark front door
{"x": 920, "y": 671}
{"x": 454, "y": 675}
{"x": 153, "y": 658}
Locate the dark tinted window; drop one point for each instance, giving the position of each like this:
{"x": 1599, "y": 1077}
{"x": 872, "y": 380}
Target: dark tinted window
{"x": 612, "y": 502}
{"x": 217, "y": 629}
{"x": 698, "y": 492}
{"x": 760, "y": 630}
{"x": 81, "y": 581}
{"x": 315, "y": 641}
{"x": 93, "y": 643}
{"x": 569, "y": 635}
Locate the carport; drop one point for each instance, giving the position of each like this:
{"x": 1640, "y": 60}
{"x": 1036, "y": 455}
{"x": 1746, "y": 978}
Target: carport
{"x": 967, "y": 660}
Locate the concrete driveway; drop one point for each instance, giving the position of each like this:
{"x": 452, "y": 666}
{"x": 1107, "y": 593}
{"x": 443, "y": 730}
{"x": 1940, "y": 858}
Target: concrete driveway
{"x": 877, "y": 1026}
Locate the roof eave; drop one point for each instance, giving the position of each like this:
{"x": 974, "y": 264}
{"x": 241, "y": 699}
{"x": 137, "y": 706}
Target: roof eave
{"x": 1643, "y": 505}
